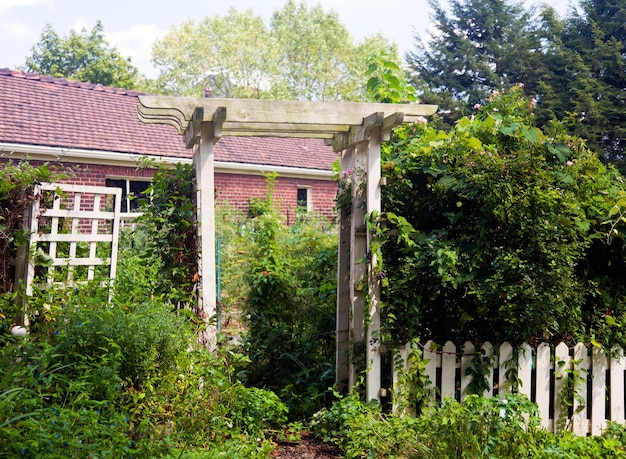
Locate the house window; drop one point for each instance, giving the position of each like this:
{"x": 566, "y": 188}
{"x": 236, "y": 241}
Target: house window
{"x": 304, "y": 199}
{"x": 132, "y": 190}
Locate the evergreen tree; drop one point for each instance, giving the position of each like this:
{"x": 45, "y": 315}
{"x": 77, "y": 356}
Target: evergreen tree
{"x": 597, "y": 33}
{"x": 480, "y": 46}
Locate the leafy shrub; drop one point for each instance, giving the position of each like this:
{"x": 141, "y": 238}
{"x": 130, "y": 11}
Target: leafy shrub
{"x": 123, "y": 380}
{"x": 146, "y": 337}
{"x": 499, "y": 231}
{"x": 291, "y": 279}
{"x": 477, "y": 428}
{"x": 16, "y": 194}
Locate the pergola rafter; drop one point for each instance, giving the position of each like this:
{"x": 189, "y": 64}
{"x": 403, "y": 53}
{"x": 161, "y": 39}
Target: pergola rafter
{"x": 356, "y": 130}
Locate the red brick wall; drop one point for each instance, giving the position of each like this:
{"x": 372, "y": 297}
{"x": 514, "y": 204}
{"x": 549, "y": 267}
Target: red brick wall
{"x": 237, "y": 190}
{"x": 234, "y": 189}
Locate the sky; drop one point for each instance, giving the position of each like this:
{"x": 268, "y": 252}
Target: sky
{"x": 132, "y": 26}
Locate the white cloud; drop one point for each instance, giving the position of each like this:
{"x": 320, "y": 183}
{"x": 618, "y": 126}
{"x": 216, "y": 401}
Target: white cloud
{"x": 17, "y": 30}
{"x": 136, "y": 43}
{"x": 82, "y": 23}
{"x": 6, "y": 5}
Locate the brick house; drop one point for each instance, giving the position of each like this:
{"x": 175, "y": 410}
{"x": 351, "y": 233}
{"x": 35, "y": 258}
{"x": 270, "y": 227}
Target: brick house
{"x": 95, "y": 132}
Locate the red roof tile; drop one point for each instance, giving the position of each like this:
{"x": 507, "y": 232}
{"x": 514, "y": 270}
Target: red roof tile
{"x": 45, "y": 111}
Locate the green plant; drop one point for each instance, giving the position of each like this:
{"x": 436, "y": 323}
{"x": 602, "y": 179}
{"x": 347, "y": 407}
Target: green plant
{"x": 16, "y": 194}
{"x": 498, "y": 231}
{"x": 575, "y": 382}
{"x": 412, "y": 389}
{"x": 169, "y": 221}
{"x": 478, "y": 371}
{"x": 95, "y": 379}
{"x": 387, "y": 82}
{"x": 289, "y": 309}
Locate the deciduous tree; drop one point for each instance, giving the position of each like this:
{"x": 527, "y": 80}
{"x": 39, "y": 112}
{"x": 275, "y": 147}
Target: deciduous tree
{"x": 305, "y": 54}
{"x": 231, "y": 55}
{"x": 82, "y": 56}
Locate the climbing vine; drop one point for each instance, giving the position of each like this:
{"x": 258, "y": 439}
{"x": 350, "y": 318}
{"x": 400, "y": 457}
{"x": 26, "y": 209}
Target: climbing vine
{"x": 500, "y": 231}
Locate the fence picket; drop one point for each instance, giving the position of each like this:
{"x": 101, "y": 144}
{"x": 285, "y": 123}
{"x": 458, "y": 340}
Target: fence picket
{"x": 542, "y": 392}
{"x": 562, "y": 364}
{"x": 506, "y": 354}
{"x": 488, "y": 353}
{"x": 598, "y": 391}
{"x": 580, "y": 425}
{"x": 467, "y": 350}
{"x": 434, "y": 362}
{"x": 617, "y": 367}
{"x": 448, "y": 371}
{"x": 403, "y": 354}
{"x": 524, "y": 371}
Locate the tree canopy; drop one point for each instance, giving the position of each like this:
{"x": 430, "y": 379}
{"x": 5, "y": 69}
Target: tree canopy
{"x": 82, "y": 56}
{"x": 597, "y": 33}
{"x": 575, "y": 68}
{"x": 306, "y": 53}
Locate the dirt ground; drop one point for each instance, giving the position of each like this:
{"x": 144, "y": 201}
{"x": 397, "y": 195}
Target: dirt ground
{"x": 308, "y": 447}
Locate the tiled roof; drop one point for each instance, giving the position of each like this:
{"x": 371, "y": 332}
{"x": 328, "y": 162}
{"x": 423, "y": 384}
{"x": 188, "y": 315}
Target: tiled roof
{"x": 45, "y": 111}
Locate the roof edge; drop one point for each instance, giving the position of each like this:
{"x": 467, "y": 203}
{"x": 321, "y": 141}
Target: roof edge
{"x": 107, "y": 158}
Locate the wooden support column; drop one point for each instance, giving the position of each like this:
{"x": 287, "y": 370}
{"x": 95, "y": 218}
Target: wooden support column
{"x": 343, "y": 338}
{"x": 373, "y": 199}
{"x": 209, "y": 133}
{"x": 358, "y": 269}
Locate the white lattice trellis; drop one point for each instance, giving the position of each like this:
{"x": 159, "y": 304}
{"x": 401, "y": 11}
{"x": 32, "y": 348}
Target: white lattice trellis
{"x": 75, "y": 229}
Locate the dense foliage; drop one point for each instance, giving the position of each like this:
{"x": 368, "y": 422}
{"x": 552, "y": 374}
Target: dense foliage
{"x": 290, "y": 297}
{"x": 306, "y": 53}
{"x": 499, "y": 231}
{"x": 478, "y": 428}
{"x": 84, "y": 56}
{"x": 170, "y": 223}
{"x": 575, "y": 67}
{"x": 122, "y": 379}
{"x": 16, "y": 194}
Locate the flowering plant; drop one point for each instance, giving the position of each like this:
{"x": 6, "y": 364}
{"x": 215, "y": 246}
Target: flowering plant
{"x": 345, "y": 180}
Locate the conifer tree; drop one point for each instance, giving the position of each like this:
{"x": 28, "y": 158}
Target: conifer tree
{"x": 596, "y": 32}
{"x": 481, "y": 45}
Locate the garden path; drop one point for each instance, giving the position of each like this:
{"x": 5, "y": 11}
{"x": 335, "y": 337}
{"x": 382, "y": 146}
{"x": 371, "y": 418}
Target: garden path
{"x": 309, "y": 447}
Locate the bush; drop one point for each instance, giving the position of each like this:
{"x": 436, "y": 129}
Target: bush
{"x": 498, "y": 231}
{"x": 123, "y": 380}
{"x": 290, "y": 308}
{"x": 477, "y": 428}
{"x": 16, "y": 195}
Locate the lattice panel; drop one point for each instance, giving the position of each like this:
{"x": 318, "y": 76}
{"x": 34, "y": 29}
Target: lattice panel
{"x": 74, "y": 233}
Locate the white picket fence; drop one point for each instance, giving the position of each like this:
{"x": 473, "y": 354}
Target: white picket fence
{"x": 542, "y": 373}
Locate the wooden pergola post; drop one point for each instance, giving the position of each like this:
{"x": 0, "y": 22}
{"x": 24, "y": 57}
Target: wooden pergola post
{"x": 203, "y": 161}
{"x": 356, "y": 130}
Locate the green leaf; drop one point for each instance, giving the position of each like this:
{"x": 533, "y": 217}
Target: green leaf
{"x": 474, "y": 143}
{"x": 509, "y": 130}
{"x": 610, "y": 320}
{"x": 532, "y": 134}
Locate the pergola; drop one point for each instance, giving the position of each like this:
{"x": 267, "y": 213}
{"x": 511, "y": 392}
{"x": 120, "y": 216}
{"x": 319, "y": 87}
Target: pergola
{"x": 356, "y": 130}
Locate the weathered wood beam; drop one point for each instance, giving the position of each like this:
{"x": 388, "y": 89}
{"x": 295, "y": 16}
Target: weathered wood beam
{"x": 191, "y": 136}
{"x": 357, "y": 133}
{"x": 178, "y": 111}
